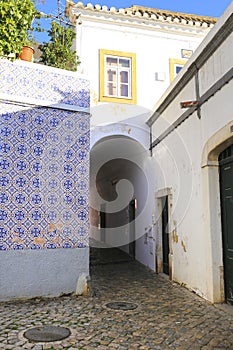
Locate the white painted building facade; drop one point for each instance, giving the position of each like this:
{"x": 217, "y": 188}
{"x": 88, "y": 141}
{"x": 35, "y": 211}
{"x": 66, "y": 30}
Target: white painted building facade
{"x": 193, "y": 152}
{"x": 130, "y": 56}
{"x": 160, "y": 40}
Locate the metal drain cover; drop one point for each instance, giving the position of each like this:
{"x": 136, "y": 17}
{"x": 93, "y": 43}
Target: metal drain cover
{"x": 121, "y": 305}
{"x": 47, "y": 333}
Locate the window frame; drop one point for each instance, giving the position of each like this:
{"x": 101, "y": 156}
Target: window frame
{"x": 173, "y": 62}
{"x": 103, "y": 76}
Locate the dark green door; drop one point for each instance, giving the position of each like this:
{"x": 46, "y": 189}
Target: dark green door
{"x": 226, "y": 188}
{"x": 165, "y": 235}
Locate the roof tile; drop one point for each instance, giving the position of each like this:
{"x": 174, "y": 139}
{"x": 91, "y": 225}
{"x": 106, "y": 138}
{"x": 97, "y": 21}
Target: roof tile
{"x": 150, "y": 14}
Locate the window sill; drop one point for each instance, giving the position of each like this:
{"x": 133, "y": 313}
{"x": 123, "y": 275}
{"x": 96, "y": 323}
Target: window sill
{"x": 131, "y": 101}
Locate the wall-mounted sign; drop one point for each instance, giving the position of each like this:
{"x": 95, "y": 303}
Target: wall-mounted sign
{"x": 186, "y": 53}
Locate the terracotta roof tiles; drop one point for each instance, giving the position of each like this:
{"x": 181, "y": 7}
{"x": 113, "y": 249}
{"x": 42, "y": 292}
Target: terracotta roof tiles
{"x": 150, "y": 14}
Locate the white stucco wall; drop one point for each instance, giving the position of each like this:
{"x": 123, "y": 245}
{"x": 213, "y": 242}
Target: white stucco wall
{"x": 183, "y": 158}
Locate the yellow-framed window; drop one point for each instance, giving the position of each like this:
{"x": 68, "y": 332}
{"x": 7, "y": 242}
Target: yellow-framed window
{"x": 117, "y": 76}
{"x": 175, "y": 66}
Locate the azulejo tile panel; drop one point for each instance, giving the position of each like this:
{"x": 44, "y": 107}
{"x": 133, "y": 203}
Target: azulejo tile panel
{"x": 52, "y": 85}
{"x": 44, "y": 176}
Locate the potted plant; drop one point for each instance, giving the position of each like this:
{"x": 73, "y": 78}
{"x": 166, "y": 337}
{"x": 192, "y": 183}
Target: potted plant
{"x": 27, "y": 52}
{"x": 16, "y": 18}
{"x": 28, "y": 47}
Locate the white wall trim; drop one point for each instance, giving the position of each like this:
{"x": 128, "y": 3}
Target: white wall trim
{"x": 163, "y": 192}
{"x": 216, "y": 144}
{"x": 19, "y": 100}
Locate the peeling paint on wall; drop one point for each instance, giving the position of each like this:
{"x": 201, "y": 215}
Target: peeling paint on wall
{"x": 183, "y": 246}
{"x": 175, "y": 237}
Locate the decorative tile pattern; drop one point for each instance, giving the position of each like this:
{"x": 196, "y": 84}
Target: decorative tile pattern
{"x": 44, "y": 164}
{"x": 44, "y": 179}
{"x": 53, "y": 85}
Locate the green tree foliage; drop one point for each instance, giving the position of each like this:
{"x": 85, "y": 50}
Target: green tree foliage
{"x": 58, "y": 51}
{"x": 16, "y": 17}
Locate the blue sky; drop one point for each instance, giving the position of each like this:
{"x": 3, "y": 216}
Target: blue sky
{"x": 213, "y": 8}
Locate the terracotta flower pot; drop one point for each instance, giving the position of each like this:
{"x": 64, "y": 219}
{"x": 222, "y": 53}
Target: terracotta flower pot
{"x": 27, "y": 54}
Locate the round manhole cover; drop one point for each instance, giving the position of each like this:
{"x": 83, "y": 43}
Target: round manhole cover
{"x": 47, "y": 333}
{"x": 122, "y": 305}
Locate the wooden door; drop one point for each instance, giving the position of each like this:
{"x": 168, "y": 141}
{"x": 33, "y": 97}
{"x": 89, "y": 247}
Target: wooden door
{"x": 165, "y": 235}
{"x": 226, "y": 190}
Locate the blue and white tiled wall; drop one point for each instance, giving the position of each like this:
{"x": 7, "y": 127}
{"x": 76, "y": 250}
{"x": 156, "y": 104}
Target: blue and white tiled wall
{"x": 44, "y": 162}
{"x": 43, "y": 83}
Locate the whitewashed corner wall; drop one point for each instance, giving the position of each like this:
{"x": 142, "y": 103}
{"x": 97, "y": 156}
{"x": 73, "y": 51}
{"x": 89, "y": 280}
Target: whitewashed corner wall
{"x": 183, "y": 156}
{"x": 44, "y": 215}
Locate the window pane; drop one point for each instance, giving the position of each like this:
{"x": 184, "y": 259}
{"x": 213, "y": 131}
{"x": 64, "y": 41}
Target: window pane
{"x": 111, "y": 89}
{"x": 111, "y": 61}
{"x": 124, "y": 77}
{"x": 124, "y": 90}
{"x": 178, "y": 68}
{"x": 123, "y": 62}
{"x": 111, "y": 75}
{"x": 117, "y": 76}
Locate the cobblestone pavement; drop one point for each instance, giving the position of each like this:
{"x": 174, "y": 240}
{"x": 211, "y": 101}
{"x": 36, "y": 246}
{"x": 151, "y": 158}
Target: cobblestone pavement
{"x": 167, "y": 317}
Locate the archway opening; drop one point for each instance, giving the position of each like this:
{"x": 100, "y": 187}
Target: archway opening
{"x": 118, "y": 196}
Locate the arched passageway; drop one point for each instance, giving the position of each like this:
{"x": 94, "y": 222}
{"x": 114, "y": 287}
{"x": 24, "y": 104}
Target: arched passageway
{"x": 119, "y": 187}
